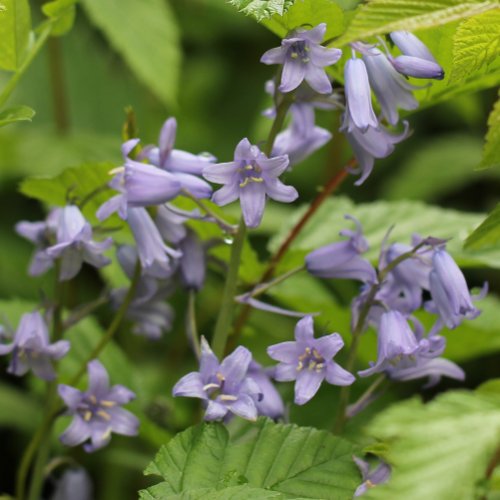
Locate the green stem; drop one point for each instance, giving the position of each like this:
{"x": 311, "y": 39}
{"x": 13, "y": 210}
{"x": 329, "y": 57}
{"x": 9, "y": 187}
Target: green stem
{"x": 12, "y": 83}
{"x": 60, "y": 103}
{"x": 224, "y": 319}
{"x": 264, "y": 287}
{"x": 279, "y": 119}
{"x": 368, "y": 393}
{"x": 191, "y": 329}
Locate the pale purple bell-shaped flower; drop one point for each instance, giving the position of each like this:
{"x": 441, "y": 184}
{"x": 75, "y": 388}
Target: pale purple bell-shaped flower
{"x": 371, "y": 476}
{"x": 250, "y": 177}
{"x": 75, "y": 483}
{"x": 302, "y": 138}
{"x": 193, "y": 263}
{"x": 395, "y": 340}
{"x": 226, "y": 388}
{"x": 358, "y": 97}
{"x": 343, "y": 259}
{"x": 392, "y": 90}
{"x": 170, "y": 224}
{"x": 304, "y": 59}
{"x": 31, "y": 348}
{"x": 451, "y": 298}
{"x": 97, "y": 412}
{"x": 309, "y": 361}
{"x": 417, "y": 60}
{"x": 75, "y": 244}
{"x": 155, "y": 256}
{"x": 43, "y": 235}
{"x": 185, "y": 167}
{"x": 271, "y": 405}
{"x": 374, "y": 143}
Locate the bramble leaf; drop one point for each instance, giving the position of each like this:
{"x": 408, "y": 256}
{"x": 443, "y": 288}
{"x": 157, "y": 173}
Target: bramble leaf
{"x": 262, "y": 9}
{"x": 491, "y": 152}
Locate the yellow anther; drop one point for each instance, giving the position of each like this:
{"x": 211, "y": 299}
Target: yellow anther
{"x": 244, "y": 183}
{"x": 312, "y": 365}
{"x": 257, "y": 179}
{"x": 294, "y": 55}
{"x": 305, "y": 59}
{"x": 220, "y": 377}
{"x": 248, "y": 167}
{"x": 228, "y": 397}
{"x": 117, "y": 170}
{"x": 107, "y": 404}
{"x": 104, "y": 415}
{"x": 369, "y": 484}
{"x": 319, "y": 367}
{"x": 316, "y": 354}
{"x": 87, "y": 416}
{"x": 307, "y": 48}
{"x": 93, "y": 399}
{"x": 210, "y": 386}
{"x": 308, "y": 350}
{"x": 300, "y": 366}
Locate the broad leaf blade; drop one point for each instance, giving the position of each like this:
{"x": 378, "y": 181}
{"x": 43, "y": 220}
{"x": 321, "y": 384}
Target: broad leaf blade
{"x": 491, "y": 152}
{"x": 487, "y": 234}
{"x": 146, "y": 35}
{"x": 15, "y": 26}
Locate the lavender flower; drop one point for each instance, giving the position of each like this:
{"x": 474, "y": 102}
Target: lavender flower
{"x": 391, "y": 89}
{"x": 42, "y": 234}
{"x": 250, "y": 177}
{"x": 75, "y": 245}
{"x": 417, "y": 60}
{"x": 154, "y": 254}
{"x": 451, "y": 298}
{"x": 183, "y": 166}
{"x": 75, "y": 484}
{"x": 302, "y": 137}
{"x": 31, "y": 348}
{"x": 342, "y": 259}
{"x": 170, "y": 224}
{"x": 271, "y": 405}
{"x": 358, "y": 97}
{"x": 97, "y": 412}
{"x": 192, "y": 264}
{"x": 224, "y": 387}
{"x": 303, "y": 58}
{"x": 309, "y": 361}
{"x": 371, "y": 478}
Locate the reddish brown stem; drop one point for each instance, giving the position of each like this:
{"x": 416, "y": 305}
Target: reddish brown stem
{"x": 328, "y": 189}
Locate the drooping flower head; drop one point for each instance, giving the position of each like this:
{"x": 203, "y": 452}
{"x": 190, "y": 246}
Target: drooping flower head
{"x": 271, "y": 404}
{"x": 343, "y": 259}
{"x": 75, "y": 483}
{"x": 97, "y": 412}
{"x": 75, "y": 244}
{"x": 371, "y": 476}
{"x": 31, "y": 348}
{"x": 303, "y": 58}
{"x": 226, "y": 387}
{"x": 250, "y": 177}
{"x": 309, "y": 361}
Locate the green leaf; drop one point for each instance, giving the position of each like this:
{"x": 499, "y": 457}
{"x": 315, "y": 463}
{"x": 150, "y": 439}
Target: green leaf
{"x": 487, "y": 234}
{"x": 407, "y": 217}
{"x": 146, "y": 35}
{"x": 16, "y": 114}
{"x": 438, "y": 450}
{"x": 378, "y": 17}
{"x": 491, "y": 153}
{"x": 15, "y": 26}
{"x": 294, "y": 461}
{"x": 309, "y": 13}
{"x": 232, "y": 493}
{"x": 262, "y": 9}
{"x": 62, "y": 13}
{"x": 476, "y": 44}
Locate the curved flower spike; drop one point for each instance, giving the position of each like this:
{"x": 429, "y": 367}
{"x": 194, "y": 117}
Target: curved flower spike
{"x": 309, "y": 361}
{"x": 96, "y": 412}
{"x": 303, "y": 58}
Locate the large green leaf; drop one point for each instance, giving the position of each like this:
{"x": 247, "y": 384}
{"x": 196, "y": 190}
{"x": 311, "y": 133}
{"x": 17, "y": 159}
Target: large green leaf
{"x": 262, "y": 9}
{"x": 294, "y": 461}
{"x": 146, "y": 35}
{"x": 438, "y": 450}
{"x": 16, "y": 114}
{"x": 378, "y": 17}
{"x": 15, "y": 26}
{"x": 309, "y": 13}
{"x": 476, "y": 44}
{"x": 487, "y": 234}
{"x": 491, "y": 153}
{"x": 407, "y": 217}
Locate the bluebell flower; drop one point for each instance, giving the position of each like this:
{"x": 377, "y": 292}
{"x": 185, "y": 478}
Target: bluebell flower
{"x": 302, "y": 137}
{"x": 271, "y": 404}
{"x": 192, "y": 264}
{"x": 451, "y": 298}
{"x": 392, "y": 90}
{"x": 371, "y": 477}
{"x": 358, "y": 97}
{"x": 309, "y": 361}
{"x": 75, "y": 244}
{"x": 303, "y": 58}
{"x": 185, "y": 167}
{"x": 31, "y": 348}
{"x": 417, "y": 60}
{"x": 75, "y": 483}
{"x": 343, "y": 259}
{"x": 170, "y": 224}
{"x": 97, "y": 412}
{"x": 155, "y": 256}
{"x": 43, "y": 235}
{"x": 225, "y": 387}
{"x": 250, "y": 177}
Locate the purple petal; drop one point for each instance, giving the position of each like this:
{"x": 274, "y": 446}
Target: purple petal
{"x": 329, "y": 345}
{"x": 244, "y": 150}
{"x": 115, "y": 204}
{"x": 123, "y": 422}
{"x": 167, "y": 139}
{"x": 294, "y": 72}
{"x": 71, "y": 396}
{"x": 221, "y": 173}
{"x": 285, "y": 372}
{"x": 209, "y": 364}
{"x": 100, "y": 435}
{"x": 336, "y": 375}
{"x": 58, "y": 349}
{"x": 273, "y": 167}
{"x": 98, "y": 378}
{"x": 77, "y": 432}
{"x": 190, "y": 386}
{"x": 278, "y": 191}
{"x": 187, "y": 163}
{"x": 323, "y": 56}
{"x": 128, "y": 146}
{"x": 307, "y": 385}
{"x": 196, "y": 186}
{"x": 235, "y": 366}
{"x": 286, "y": 352}
{"x": 418, "y": 68}
{"x": 314, "y": 35}
{"x": 120, "y": 394}
{"x": 253, "y": 201}
{"x": 42, "y": 367}
{"x": 410, "y": 45}
{"x": 318, "y": 79}
{"x": 71, "y": 263}
{"x": 244, "y": 407}
{"x": 226, "y": 194}
{"x": 215, "y": 411}
{"x": 274, "y": 56}
{"x": 304, "y": 330}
